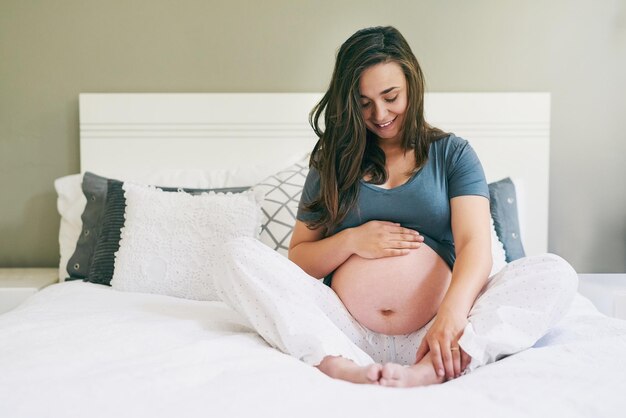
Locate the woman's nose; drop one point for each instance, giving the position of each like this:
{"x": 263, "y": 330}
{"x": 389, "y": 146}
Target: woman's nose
{"x": 380, "y": 111}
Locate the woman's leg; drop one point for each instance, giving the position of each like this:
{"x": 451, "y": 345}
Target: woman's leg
{"x": 518, "y": 306}
{"x": 291, "y": 310}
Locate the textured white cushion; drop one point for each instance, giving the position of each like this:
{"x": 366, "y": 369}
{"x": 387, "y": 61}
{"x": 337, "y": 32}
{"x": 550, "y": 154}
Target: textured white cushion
{"x": 169, "y": 241}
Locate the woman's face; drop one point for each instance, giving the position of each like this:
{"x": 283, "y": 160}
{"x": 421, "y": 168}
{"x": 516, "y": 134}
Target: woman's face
{"x": 383, "y": 92}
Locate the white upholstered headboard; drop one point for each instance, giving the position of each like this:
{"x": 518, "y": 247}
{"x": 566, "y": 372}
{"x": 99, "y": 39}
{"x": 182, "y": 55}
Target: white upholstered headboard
{"x": 125, "y": 134}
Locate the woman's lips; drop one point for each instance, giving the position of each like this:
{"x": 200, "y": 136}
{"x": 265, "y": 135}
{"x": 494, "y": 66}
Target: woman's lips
{"x": 386, "y": 124}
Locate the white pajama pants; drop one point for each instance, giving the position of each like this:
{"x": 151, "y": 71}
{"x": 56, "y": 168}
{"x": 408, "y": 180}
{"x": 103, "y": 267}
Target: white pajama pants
{"x": 300, "y": 316}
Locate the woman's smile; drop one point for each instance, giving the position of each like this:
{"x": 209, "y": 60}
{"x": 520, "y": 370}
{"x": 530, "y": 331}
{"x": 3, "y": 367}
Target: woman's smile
{"x": 386, "y": 125}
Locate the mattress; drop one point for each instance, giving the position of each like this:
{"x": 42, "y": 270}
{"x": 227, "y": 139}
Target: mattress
{"x": 79, "y": 349}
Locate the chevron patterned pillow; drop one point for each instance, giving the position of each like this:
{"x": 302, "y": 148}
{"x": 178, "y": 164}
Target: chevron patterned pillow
{"x": 282, "y": 193}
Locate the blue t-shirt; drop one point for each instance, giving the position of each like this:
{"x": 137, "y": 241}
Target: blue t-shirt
{"x": 423, "y": 202}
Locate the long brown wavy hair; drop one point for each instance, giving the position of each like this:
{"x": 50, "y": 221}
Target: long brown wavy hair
{"x": 346, "y": 151}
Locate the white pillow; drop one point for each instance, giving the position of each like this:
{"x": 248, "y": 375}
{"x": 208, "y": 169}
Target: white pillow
{"x": 71, "y": 201}
{"x": 169, "y": 241}
{"x": 497, "y": 252}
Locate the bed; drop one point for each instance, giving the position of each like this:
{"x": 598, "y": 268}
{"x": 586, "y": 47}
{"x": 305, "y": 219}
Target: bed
{"x": 84, "y": 348}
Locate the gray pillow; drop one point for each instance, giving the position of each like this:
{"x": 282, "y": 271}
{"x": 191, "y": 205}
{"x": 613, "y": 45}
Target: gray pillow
{"x": 95, "y": 189}
{"x": 103, "y": 218}
{"x": 503, "y": 207}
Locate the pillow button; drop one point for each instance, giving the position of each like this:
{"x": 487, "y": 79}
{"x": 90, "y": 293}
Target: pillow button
{"x": 76, "y": 266}
{"x": 93, "y": 197}
{"x": 510, "y": 200}
{"x": 86, "y": 232}
{"x": 514, "y": 235}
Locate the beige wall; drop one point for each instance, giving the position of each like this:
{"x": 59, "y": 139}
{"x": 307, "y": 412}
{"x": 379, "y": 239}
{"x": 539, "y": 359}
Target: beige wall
{"x": 52, "y": 51}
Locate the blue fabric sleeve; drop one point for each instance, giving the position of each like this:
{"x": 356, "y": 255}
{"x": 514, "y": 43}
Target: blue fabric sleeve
{"x": 465, "y": 173}
{"x": 310, "y": 192}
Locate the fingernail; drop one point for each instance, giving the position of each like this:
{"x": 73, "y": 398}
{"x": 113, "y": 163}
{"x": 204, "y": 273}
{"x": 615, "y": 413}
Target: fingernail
{"x": 440, "y": 372}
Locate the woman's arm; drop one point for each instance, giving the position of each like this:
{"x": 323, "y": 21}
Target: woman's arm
{"x": 316, "y": 255}
{"x": 472, "y": 240}
{"x": 471, "y": 229}
{"x": 319, "y": 256}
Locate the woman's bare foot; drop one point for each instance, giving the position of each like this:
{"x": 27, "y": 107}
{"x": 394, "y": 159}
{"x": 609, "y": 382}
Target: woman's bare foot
{"x": 345, "y": 369}
{"x": 420, "y": 374}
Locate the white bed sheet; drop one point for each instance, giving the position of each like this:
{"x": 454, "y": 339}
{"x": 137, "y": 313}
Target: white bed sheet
{"x": 79, "y": 349}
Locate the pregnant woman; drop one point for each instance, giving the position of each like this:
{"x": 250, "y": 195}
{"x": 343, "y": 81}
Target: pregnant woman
{"x": 395, "y": 217}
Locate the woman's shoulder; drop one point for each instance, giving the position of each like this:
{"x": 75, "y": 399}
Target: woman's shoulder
{"x": 452, "y": 150}
{"x": 313, "y": 173}
{"x": 450, "y": 142}
{"x": 448, "y": 146}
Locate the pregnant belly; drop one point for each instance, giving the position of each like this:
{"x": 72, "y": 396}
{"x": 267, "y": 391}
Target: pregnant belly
{"x": 393, "y": 295}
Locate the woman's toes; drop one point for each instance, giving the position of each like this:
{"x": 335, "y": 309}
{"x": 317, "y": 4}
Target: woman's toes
{"x": 374, "y": 372}
{"x": 391, "y": 371}
{"x": 393, "y": 375}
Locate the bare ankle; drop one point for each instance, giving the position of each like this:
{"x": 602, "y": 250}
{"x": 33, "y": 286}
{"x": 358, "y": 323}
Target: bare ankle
{"x": 420, "y": 374}
{"x": 342, "y": 368}
{"x": 332, "y": 365}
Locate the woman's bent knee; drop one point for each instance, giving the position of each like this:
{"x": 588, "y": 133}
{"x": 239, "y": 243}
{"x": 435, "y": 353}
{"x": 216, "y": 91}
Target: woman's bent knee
{"x": 562, "y": 280}
{"x": 564, "y": 272}
{"x": 551, "y": 269}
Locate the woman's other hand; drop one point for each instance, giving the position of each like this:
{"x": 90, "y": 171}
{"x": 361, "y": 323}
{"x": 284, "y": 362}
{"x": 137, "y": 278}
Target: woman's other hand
{"x": 442, "y": 340}
{"x": 377, "y": 239}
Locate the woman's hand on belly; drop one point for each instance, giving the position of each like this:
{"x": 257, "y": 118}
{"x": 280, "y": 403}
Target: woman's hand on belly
{"x": 377, "y": 239}
{"x": 393, "y": 295}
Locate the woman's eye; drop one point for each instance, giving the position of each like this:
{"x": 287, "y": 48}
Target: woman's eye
{"x": 364, "y": 105}
{"x": 391, "y": 100}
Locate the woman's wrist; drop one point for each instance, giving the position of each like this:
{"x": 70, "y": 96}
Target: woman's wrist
{"x": 452, "y": 312}
{"x": 454, "y": 306}
{"x": 349, "y": 241}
